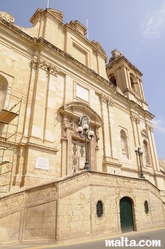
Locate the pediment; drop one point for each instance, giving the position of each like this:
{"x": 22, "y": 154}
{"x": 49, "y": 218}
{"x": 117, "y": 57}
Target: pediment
{"x": 98, "y": 47}
{"x": 56, "y": 13}
{"x": 79, "y": 109}
{"x": 78, "y": 26}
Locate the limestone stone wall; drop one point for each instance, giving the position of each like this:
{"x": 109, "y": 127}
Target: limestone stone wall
{"x": 66, "y": 209}
{"x": 28, "y": 215}
{"x": 48, "y": 75}
{"x": 59, "y": 81}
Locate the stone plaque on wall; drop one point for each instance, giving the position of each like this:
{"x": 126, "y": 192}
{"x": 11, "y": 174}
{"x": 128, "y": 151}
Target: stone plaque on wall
{"x": 82, "y": 93}
{"x": 42, "y": 163}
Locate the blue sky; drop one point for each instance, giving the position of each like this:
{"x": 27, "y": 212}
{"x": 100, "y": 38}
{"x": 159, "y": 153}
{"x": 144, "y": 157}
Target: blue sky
{"x": 134, "y": 27}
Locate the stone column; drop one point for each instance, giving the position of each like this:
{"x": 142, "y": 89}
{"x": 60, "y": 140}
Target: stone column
{"x": 138, "y": 131}
{"x": 133, "y": 121}
{"x": 48, "y": 112}
{"x": 30, "y": 98}
{"x": 110, "y": 103}
{"x": 64, "y": 148}
{"x": 38, "y": 100}
{"x": 128, "y": 79}
{"x": 105, "y": 118}
{"x": 141, "y": 90}
{"x": 153, "y": 148}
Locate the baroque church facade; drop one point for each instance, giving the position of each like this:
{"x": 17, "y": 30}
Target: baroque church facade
{"x": 51, "y": 78}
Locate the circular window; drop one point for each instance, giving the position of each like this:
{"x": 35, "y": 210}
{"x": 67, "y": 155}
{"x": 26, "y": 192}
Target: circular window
{"x": 99, "y": 209}
{"x": 146, "y": 208}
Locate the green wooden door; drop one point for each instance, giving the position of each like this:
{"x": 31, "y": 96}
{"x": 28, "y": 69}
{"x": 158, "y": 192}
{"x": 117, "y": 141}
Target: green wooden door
{"x": 126, "y": 216}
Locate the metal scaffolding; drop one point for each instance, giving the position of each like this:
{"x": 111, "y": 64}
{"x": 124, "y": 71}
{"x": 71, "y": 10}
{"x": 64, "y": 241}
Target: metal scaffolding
{"x": 9, "y": 118}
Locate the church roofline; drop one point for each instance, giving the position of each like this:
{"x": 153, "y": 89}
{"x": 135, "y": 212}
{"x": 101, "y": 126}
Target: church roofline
{"x": 68, "y": 56}
{"x": 53, "y": 12}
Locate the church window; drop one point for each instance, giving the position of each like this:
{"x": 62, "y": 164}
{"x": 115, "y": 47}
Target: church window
{"x": 146, "y": 208}
{"x": 3, "y": 91}
{"x": 113, "y": 80}
{"x": 124, "y": 144}
{"x": 99, "y": 209}
{"x": 132, "y": 83}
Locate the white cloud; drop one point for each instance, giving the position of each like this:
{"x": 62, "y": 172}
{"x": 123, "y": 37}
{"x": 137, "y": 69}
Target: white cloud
{"x": 154, "y": 24}
{"x": 159, "y": 124}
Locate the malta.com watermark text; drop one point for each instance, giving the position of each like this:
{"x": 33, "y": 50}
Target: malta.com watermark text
{"x": 125, "y": 242}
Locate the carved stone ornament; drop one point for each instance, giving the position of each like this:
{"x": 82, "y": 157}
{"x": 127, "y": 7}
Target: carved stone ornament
{"x": 110, "y": 102}
{"x": 67, "y": 124}
{"x": 150, "y": 127}
{"x": 119, "y": 90}
{"x": 107, "y": 100}
{"x": 115, "y": 54}
{"x": 34, "y": 62}
{"x": 7, "y": 17}
{"x": 103, "y": 98}
{"x": 98, "y": 47}
{"x": 135, "y": 118}
{"x": 43, "y": 64}
{"x": 78, "y": 109}
{"x": 54, "y": 70}
{"x": 46, "y": 66}
{"x": 97, "y": 135}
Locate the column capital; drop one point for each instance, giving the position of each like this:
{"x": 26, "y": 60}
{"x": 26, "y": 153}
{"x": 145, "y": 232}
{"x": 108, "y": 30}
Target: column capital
{"x": 150, "y": 127}
{"x": 107, "y": 100}
{"x": 135, "y": 118}
{"x": 45, "y": 65}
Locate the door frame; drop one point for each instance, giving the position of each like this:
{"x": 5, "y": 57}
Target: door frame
{"x": 132, "y": 220}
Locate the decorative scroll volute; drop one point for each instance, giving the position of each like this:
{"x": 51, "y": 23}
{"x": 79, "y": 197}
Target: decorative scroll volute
{"x": 7, "y": 17}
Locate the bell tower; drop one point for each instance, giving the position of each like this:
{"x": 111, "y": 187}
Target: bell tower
{"x": 126, "y": 78}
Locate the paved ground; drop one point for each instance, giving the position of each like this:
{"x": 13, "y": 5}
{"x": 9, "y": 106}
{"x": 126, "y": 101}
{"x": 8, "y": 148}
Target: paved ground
{"x": 155, "y": 234}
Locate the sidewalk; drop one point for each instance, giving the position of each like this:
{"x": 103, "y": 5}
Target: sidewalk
{"x": 30, "y": 246}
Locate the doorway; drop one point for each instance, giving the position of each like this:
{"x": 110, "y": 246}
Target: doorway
{"x": 78, "y": 155}
{"x": 126, "y": 215}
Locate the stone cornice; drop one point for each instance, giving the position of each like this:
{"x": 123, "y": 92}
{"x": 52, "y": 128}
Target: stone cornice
{"x": 146, "y": 113}
{"x": 98, "y": 48}
{"x": 41, "y": 146}
{"x": 66, "y": 107}
{"x": 17, "y": 30}
{"x": 89, "y": 178}
{"x": 45, "y": 65}
{"x": 135, "y": 117}
{"x": 107, "y": 100}
{"x": 78, "y": 27}
{"x": 56, "y": 14}
{"x": 150, "y": 127}
{"x": 95, "y": 45}
{"x": 42, "y": 43}
{"x": 7, "y": 17}
{"x": 124, "y": 59}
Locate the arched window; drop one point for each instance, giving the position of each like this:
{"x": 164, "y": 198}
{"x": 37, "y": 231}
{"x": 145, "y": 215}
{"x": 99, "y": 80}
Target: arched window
{"x": 113, "y": 80}
{"x": 3, "y": 91}
{"x": 133, "y": 83}
{"x": 146, "y": 208}
{"x": 146, "y": 153}
{"x": 124, "y": 144}
{"x": 99, "y": 209}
